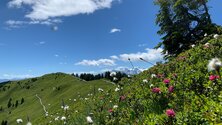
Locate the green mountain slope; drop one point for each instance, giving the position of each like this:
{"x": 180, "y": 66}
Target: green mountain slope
{"x": 52, "y": 89}
{"x": 180, "y": 91}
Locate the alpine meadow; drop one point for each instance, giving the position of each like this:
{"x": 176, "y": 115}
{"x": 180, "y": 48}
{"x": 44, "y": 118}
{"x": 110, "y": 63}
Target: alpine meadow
{"x": 110, "y": 62}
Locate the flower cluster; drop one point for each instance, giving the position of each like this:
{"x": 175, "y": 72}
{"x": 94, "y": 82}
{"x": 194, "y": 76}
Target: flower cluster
{"x": 156, "y": 90}
{"x": 170, "y": 113}
{"x": 213, "y": 77}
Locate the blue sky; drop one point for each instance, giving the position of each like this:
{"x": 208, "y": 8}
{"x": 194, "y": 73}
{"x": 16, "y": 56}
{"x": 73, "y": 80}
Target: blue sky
{"x": 78, "y": 35}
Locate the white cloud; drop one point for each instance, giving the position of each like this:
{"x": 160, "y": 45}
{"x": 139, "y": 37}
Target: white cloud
{"x": 46, "y": 9}
{"x": 63, "y": 63}
{"x": 100, "y": 62}
{"x": 151, "y": 55}
{"x": 19, "y": 23}
{"x": 56, "y": 55}
{"x": 114, "y": 30}
{"x": 16, "y": 76}
{"x": 114, "y": 57}
{"x": 42, "y": 42}
{"x": 142, "y": 45}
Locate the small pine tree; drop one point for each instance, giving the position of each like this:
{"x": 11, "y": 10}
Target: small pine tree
{"x": 16, "y": 103}
{"x": 9, "y": 103}
{"x": 1, "y": 109}
{"x": 22, "y": 100}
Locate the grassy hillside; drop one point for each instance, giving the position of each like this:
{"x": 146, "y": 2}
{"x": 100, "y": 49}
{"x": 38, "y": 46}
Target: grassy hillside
{"x": 181, "y": 91}
{"x": 52, "y": 89}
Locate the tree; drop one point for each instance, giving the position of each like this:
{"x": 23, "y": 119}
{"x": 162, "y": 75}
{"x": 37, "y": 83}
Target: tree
{"x": 9, "y": 103}
{"x": 4, "y": 122}
{"x": 1, "y": 109}
{"x": 22, "y": 100}
{"x": 16, "y": 103}
{"x": 182, "y": 23}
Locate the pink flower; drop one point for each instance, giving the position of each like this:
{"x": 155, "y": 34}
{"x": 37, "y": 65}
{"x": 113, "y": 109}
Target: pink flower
{"x": 160, "y": 75}
{"x": 122, "y": 97}
{"x": 212, "y": 77}
{"x": 110, "y": 110}
{"x": 170, "y": 113}
{"x": 166, "y": 81}
{"x": 217, "y": 77}
{"x": 170, "y": 89}
{"x": 156, "y": 90}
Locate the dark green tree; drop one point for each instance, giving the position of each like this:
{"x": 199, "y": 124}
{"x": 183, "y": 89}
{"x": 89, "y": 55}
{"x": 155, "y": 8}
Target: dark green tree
{"x": 4, "y": 122}
{"x": 182, "y": 23}
{"x": 16, "y": 103}
{"x": 1, "y": 109}
{"x": 22, "y": 100}
{"x": 9, "y": 103}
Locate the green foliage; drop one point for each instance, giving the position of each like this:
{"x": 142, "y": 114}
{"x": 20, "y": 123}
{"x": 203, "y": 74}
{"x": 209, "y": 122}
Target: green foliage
{"x": 195, "y": 99}
{"x": 183, "y": 86}
{"x": 182, "y": 23}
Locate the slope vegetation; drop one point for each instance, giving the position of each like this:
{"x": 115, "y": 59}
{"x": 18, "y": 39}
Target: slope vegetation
{"x": 22, "y": 99}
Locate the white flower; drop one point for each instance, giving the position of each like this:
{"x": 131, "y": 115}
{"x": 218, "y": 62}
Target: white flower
{"x": 115, "y": 106}
{"x": 115, "y": 79}
{"x": 205, "y": 34}
{"x": 151, "y": 85}
{"x": 117, "y": 89}
{"x": 193, "y": 46}
{"x": 112, "y": 74}
{"x": 89, "y": 119}
{"x": 29, "y": 123}
{"x": 46, "y": 114}
{"x": 57, "y": 118}
{"x": 66, "y": 107}
{"x": 63, "y": 118}
{"x": 74, "y": 100}
{"x": 216, "y": 36}
{"x": 99, "y": 89}
{"x": 214, "y": 64}
{"x": 86, "y": 98}
{"x": 145, "y": 81}
{"x": 153, "y": 76}
{"x": 19, "y": 121}
{"x": 206, "y": 45}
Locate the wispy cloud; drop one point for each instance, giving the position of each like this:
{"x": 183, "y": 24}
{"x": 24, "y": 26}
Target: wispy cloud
{"x": 42, "y": 42}
{"x": 17, "y": 76}
{"x": 20, "y": 23}
{"x": 114, "y": 57}
{"x": 142, "y": 45}
{"x": 46, "y": 9}
{"x": 56, "y": 55}
{"x": 114, "y": 30}
{"x": 151, "y": 55}
{"x": 100, "y": 62}
{"x": 63, "y": 63}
